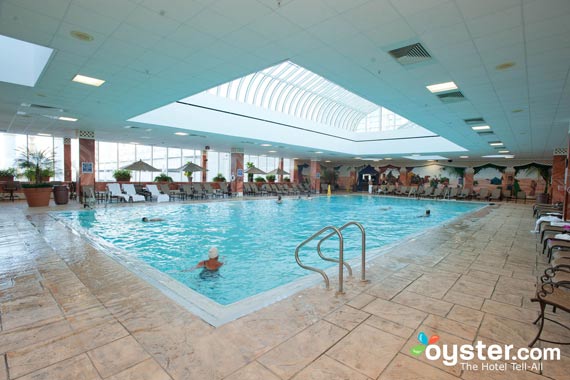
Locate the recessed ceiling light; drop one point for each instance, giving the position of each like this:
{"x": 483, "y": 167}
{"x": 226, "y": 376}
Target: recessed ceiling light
{"x": 88, "y": 80}
{"x": 481, "y": 128}
{"x": 499, "y": 156}
{"x": 318, "y": 152}
{"x": 82, "y": 36}
{"x": 496, "y": 143}
{"x": 504, "y": 151}
{"x": 65, "y": 118}
{"x": 181, "y": 133}
{"x": 271, "y": 151}
{"x": 44, "y": 134}
{"x": 388, "y": 158}
{"x": 463, "y": 156}
{"x": 265, "y": 144}
{"x": 148, "y": 130}
{"x": 295, "y": 158}
{"x": 440, "y": 87}
{"x": 328, "y": 161}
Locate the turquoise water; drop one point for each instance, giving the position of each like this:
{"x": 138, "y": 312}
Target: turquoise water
{"x": 256, "y": 239}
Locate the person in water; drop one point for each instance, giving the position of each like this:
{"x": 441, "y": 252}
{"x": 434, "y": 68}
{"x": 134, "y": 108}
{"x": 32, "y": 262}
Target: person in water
{"x": 427, "y": 214}
{"x": 213, "y": 263}
{"x": 279, "y": 200}
{"x": 145, "y": 219}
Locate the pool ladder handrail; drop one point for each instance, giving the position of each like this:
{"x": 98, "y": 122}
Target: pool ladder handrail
{"x": 336, "y": 231}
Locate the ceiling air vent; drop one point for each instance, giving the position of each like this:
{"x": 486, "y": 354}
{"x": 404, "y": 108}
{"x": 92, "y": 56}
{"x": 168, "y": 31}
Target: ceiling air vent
{"x": 485, "y": 133}
{"x": 408, "y": 55}
{"x": 451, "y": 97}
{"x": 475, "y": 121}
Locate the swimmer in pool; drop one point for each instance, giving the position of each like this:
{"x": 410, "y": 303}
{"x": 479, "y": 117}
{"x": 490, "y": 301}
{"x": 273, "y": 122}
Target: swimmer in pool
{"x": 145, "y": 219}
{"x": 426, "y": 215}
{"x": 279, "y": 200}
{"x": 213, "y": 263}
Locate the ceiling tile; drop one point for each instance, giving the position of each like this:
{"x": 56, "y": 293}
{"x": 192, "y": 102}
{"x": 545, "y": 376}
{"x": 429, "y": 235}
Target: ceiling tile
{"x": 306, "y": 14}
{"x": 372, "y": 14}
{"x": 52, "y": 8}
{"x": 474, "y": 9}
{"x": 495, "y": 22}
{"x": 180, "y": 10}
{"x": 145, "y": 19}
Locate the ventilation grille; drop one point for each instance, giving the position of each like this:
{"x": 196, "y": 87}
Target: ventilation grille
{"x": 485, "y": 133}
{"x": 560, "y": 151}
{"x": 41, "y": 106}
{"x": 475, "y": 121}
{"x": 90, "y": 135}
{"x": 66, "y": 141}
{"x": 451, "y": 97}
{"x": 411, "y": 54}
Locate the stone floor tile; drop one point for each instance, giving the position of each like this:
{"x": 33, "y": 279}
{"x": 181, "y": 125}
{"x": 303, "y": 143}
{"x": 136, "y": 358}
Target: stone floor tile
{"x": 396, "y": 313}
{"x": 3, "y": 369}
{"x": 14, "y": 339}
{"x": 347, "y": 317}
{"x": 467, "y": 300}
{"x": 509, "y": 311}
{"x": 424, "y": 303}
{"x": 433, "y": 285}
{"x": 114, "y": 357}
{"x": 290, "y": 357}
{"x": 146, "y": 370}
{"x": 405, "y": 368}
{"x": 507, "y": 331}
{"x": 473, "y": 288}
{"x": 381, "y": 347}
{"x": 253, "y": 371}
{"x": 389, "y": 287}
{"x": 28, "y": 310}
{"x": 389, "y": 326}
{"x": 325, "y": 368}
{"x": 361, "y": 300}
{"x": 462, "y": 330}
{"x": 557, "y": 369}
{"x": 75, "y": 368}
{"x": 511, "y": 299}
{"x": 466, "y": 315}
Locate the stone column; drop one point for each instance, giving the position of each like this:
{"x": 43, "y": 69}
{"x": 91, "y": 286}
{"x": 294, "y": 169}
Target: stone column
{"x": 404, "y": 176}
{"x": 315, "y": 176}
{"x": 558, "y": 176}
{"x": 508, "y": 181}
{"x": 468, "y": 178}
{"x": 204, "y": 164}
{"x": 67, "y": 159}
{"x": 280, "y": 176}
{"x": 86, "y": 159}
{"x": 237, "y": 171}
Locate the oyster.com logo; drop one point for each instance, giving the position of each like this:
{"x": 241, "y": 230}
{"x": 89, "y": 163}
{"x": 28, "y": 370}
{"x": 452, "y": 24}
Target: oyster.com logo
{"x": 417, "y": 350}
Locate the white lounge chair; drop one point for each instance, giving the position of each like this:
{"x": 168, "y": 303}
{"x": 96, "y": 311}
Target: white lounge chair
{"x": 129, "y": 188}
{"x": 115, "y": 192}
{"x": 154, "y": 193}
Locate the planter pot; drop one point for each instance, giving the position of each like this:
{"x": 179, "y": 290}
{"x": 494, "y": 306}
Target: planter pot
{"x": 37, "y": 196}
{"x": 542, "y": 198}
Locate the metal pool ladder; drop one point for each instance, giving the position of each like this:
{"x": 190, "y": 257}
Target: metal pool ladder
{"x": 338, "y": 232}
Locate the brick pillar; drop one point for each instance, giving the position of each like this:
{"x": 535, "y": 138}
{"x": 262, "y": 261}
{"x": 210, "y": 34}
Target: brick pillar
{"x": 558, "y": 176}
{"x": 67, "y": 159}
{"x": 295, "y": 175}
{"x": 315, "y": 176}
{"x": 468, "y": 178}
{"x": 204, "y": 164}
{"x": 237, "y": 171}
{"x": 86, "y": 159}
{"x": 280, "y": 176}
{"x": 404, "y": 176}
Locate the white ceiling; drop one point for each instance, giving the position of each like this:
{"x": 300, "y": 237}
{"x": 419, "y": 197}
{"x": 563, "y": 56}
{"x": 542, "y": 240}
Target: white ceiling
{"x": 154, "y": 52}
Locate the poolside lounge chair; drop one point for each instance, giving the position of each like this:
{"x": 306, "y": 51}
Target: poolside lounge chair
{"x": 154, "y": 193}
{"x": 465, "y": 193}
{"x": 428, "y": 192}
{"x": 401, "y": 190}
{"x": 483, "y": 194}
{"x": 89, "y": 198}
{"x": 436, "y": 193}
{"x": 413, "y": 191}
{"x": 452, "y": 193}
{"x": 495, "y": 195}
{"x": 116, "y": 193}
{"x": 172, "y": 194}
{"x": 129, "y": 189}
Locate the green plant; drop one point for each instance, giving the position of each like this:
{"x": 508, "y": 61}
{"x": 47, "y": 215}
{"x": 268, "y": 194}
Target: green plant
{"x": 37, "y": 165}
{"x": 286, "y": 179}
{"x": 259, "y": 179}
{"x": 122, "y": 175}
{"x": 162, "y": 177}
{"x": 219, "y": 178}
{"x": 270, "y": 178}
{"x": 10, "y": 172}
{"x": 444, "y": 179}
{"x": 249, "y": 175}
{"x": 330, "y": 176}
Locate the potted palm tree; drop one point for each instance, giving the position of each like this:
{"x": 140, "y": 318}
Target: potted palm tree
{"x": 37, "y": 165}
{"x": 7, "y": 175}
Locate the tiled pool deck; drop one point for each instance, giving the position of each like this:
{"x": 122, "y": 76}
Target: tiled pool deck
{"x": 74, "y": 313}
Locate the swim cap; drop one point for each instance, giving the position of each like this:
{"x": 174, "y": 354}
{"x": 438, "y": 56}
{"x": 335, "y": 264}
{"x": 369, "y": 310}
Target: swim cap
{"x": 213, "y": 253}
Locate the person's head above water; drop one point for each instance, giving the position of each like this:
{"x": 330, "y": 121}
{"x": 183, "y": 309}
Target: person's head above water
{"x": 145, "y": 219}
{"x": 428, "y": 212}
{"x": 213, "y": 253}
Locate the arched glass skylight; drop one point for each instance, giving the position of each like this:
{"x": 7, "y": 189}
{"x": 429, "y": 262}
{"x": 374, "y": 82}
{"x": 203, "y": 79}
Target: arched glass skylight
{"x": 288, "y": 88}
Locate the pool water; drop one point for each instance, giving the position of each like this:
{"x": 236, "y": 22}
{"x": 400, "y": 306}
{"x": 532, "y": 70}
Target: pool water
{"x": 256, "y": 239}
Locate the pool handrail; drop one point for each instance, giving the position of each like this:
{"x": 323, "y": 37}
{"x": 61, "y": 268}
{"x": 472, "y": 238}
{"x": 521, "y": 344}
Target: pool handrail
{"x": 363, "y": 249}
{"x": 341, "y": 256}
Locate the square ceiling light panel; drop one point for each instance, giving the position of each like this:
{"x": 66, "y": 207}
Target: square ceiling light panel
{"x": 22, "y": 62}
{"x": 419, "y": 157}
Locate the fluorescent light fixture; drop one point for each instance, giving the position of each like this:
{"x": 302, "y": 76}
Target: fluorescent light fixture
{"x": 88, "y": 80}
{"x": 265, "y": 144}
{"x": 496, "y": 143}
{"x": 440, "y": 87}
{"x": 22, "y": 62}
{"x": 44, "y": 134}
{"x": 328, "y": 161}
{"x": 432, "y": 157}
{"x": 65, "y": 118}
{"x": 481, "y": 128}
{"x": 318, "y": 152}
{"x": 372, "y": 159}
{"x": 358, "y": 158}
{"x": 271, "y": 151}
{"x": 463, "y": 156}
{"x": 504, "y": 151}
{"x": 499, "y": 156}
{"x": 388, "y": 158}
{"x": 181, "y": 133}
